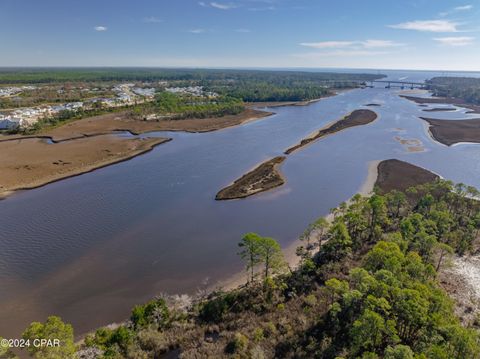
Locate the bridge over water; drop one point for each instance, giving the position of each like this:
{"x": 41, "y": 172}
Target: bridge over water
{"x": 400, "y": 84}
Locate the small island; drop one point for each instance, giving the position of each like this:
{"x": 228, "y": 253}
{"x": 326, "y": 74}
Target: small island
{"x": 356, "y": 118}
{"x": 440, "y": 109}
{"x": 263, "y": 178}
{"x": 450, "y": 132}
{"x": 444, "y": 100}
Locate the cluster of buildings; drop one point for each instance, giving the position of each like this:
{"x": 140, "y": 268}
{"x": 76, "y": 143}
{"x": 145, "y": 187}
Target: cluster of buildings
{"x": 25, "y": 117}
{"x": 191, "y": 90}
{"x": 126, "y": 94}
{"x": 10, "y": 91}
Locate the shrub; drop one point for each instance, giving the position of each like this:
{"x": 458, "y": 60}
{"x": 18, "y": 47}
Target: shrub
{"x": 53, "y": 328}
{"x": 215, "y": 309}
{"x": 152, "y": 340}
{"x": 258, "y": 335}
{"x": 270, "y": 329}
{"x": 238, "y": 345}
{"x": 111, "y": 340}
{"x": 399, "y": 352}
{"x": 154, "y": 312}
{"x": 310, "y": 300}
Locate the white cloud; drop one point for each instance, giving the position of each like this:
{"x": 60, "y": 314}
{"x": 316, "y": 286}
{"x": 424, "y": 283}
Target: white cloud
{"x": 217, "y": 5}
{"x": 152, "y": 19}
{"x": 243, "y": 30}
{"x": 100, "y": 28}
{"x": 340, "y": 53}
{"x": 328, "y": 44}
{"x": 223, "y": 6}
{"x": 353, "y": 45}
{"x": 455, "y": 41}
{"x": 428, "y": 25}
{"x": 348, "y": 49}
{"x": 197, "y": 31}
{"x": 457, "y": 9}
{"x": 464, "y": 8}
{"x": 266, "y": 8}
{"x": 372, "y": 44}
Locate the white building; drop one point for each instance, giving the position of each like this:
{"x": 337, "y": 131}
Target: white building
{"x": 8, "y": 122}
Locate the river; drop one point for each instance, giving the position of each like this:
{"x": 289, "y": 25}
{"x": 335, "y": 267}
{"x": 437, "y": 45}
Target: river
{"x": 90, "y": 247}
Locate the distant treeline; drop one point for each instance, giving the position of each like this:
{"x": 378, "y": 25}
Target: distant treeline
{"x": 465, "y": 88}
{"x": 248, "y": 85}
{"x": 44, "y": 75}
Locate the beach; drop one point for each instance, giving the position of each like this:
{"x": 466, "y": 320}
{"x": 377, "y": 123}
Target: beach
{"x": 289, "y": 252}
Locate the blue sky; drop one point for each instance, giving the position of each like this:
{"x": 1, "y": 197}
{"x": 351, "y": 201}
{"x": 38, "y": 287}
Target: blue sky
{"x": 380, "y": 34}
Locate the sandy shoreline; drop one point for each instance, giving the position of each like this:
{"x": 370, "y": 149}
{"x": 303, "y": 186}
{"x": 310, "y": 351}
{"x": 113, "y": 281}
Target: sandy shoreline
{"x": 399, "y": 174}
{"x": 240, "y": 279}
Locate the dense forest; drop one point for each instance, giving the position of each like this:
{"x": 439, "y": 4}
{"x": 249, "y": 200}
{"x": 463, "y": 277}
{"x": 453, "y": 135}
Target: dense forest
{"x": 464, "y": 88}
{"x": 367, "y": 287}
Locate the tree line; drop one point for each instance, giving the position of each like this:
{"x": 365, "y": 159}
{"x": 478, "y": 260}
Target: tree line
{"x": 465, "y": 88}
{"x": 53, "y": 75}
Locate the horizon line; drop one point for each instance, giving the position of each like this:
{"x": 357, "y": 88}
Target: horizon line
{"x": 261, "y": 68}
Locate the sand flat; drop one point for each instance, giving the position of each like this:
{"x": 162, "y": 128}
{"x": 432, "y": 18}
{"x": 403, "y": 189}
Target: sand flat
{"x": 32, "y": 162}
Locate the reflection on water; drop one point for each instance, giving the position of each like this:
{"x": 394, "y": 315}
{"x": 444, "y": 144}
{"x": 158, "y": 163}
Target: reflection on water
{"x": 90, "y": 247}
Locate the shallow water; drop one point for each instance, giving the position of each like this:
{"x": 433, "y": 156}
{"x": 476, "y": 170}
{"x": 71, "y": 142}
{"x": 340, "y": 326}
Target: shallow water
{"x": 90, "y": 247}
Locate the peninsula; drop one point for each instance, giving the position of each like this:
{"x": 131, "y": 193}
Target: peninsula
{"x": 34, "y": 162}
{"x": 450, "y": 132}
{"x": 356, "y": 118}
